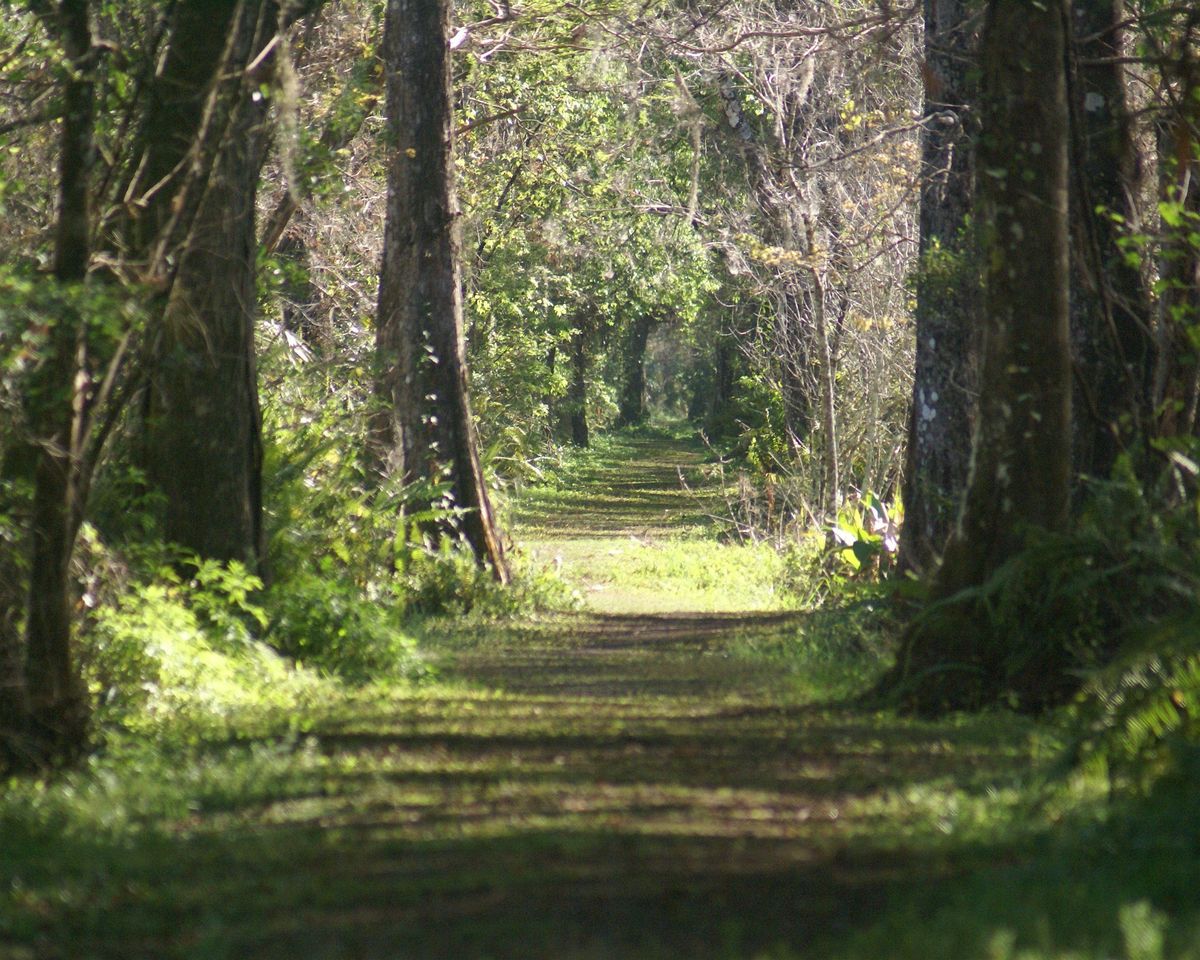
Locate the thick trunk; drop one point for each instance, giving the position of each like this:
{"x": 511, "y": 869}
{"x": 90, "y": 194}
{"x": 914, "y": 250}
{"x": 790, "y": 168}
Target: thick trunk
{"x": 632, "y": 406}
{"x": 203, "y": 430}
{"x": 1021, "y": 463}
{"x": 202, "y": 151}
{"x": 1110, "y": 311}
{"x": 577, "y": 389}
{"x": 177, "y": 102}
{"x": 426, "y": 424}
{"x": 948, "y": 294}
{"x": 1020, "y": 472}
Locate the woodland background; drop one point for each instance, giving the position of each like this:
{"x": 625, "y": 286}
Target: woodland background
{"x": 298, "y": 299}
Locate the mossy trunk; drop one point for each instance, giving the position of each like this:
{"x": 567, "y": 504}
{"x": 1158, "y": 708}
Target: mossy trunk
{"x": 203, "y": 148}
{"x": 1020, "y": 473}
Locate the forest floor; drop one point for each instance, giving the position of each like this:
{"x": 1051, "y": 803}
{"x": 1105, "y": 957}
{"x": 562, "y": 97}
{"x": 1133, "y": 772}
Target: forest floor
{"x": 640, "y": 779}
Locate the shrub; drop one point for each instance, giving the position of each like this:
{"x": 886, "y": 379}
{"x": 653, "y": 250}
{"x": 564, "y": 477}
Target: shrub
{"x": 329, "y": 624}
{"x": 183, "y": 650}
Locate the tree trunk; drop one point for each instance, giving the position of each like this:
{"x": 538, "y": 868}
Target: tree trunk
{"x": 577, "y": 389}
{"x": 196, "y": 185}
{"x": 54, "y": 695}
{"x": 948, "y": 294}
{"x": 1020, "y": 477}
{"x": 1110, "y": 309}
{"x": 203, "y": 431}
{"x": 632, "y": 406}
{"x": 830, "y": 482}
{"x": 426, "y": 424}
{"x": 1177, "y": 377}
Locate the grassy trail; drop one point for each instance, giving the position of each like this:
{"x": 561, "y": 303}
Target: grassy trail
{"x": 617, "y": 785}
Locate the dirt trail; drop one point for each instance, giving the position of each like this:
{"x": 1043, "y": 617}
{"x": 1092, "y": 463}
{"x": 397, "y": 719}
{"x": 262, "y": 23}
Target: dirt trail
{"x": 621, "y": 787}
{"x": 598, "y": 786}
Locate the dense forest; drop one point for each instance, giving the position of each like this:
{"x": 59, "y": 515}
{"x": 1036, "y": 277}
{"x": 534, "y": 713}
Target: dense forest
{"x": 401, "y": 397}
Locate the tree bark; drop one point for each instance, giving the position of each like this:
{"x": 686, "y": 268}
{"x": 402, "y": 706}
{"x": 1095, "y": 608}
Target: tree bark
{"x": 1020, "y": 476}
{"x": 948, "y": 291}
{"x": 192, "y": 194}
{"x": 425, "y": 425}
{"x": 57, "y": 709}
{"x": 1110, "y": 307}
{"x": 1021, "y": 463}
{"x": 203, "y": 431}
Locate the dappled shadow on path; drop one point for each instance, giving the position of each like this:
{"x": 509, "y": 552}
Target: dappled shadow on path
{"x": 628, "y": 787}
{"x": 602, "y": 787}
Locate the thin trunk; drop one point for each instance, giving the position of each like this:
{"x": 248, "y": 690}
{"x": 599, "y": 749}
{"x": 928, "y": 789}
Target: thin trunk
{"x": 426, "y": 424}
{"x": 826, "y": 386}
{"x": 14, "y": 593}
{"x": 577, "y": 389}
{"x": 55, "y": 696}
{"x": 796, "y": 382}
{"x": 948, "y": 294}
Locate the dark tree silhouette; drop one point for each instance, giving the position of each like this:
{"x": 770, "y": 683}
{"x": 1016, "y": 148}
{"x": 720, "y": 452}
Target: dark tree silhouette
{"x": 1021, "y": 462}
{"x": 948, "y": 293}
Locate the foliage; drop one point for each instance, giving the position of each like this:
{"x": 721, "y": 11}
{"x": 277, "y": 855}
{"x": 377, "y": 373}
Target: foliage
{"x": 866, "y": 533}
{"x": 1064, "y": 607}
{"x": 180, "y": 653}
{"x": 327, "y": 624}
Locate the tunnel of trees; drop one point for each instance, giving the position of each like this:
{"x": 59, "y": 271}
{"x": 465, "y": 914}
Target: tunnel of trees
{"x": 294, "y": 295}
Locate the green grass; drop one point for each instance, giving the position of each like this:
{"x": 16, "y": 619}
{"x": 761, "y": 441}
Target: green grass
{"x": 635, "y": 526}
{"x": 594, "y": 785}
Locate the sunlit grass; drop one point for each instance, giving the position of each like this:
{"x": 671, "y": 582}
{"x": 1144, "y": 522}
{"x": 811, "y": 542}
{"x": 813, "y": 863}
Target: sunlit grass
{"x": 666, "y": 775}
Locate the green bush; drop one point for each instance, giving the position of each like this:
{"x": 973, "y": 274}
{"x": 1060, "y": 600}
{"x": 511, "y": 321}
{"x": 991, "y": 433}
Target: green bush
{"x": 329, "y": 624}
{"x": 181, "y": 652}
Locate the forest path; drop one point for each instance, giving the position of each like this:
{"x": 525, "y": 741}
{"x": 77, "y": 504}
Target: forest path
{"x": 635, "y": 530}
{"x": 629, "y": 786}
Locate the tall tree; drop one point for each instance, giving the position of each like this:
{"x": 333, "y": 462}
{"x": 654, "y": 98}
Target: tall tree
{"x": 425, "y": 427}
{"x": 947, "y": 287}
{"x": 1020, "y": 476}
{"x": 48, "y": 710}
{"x": 202, "y": 146}
{"x": 1110, "y": 309}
